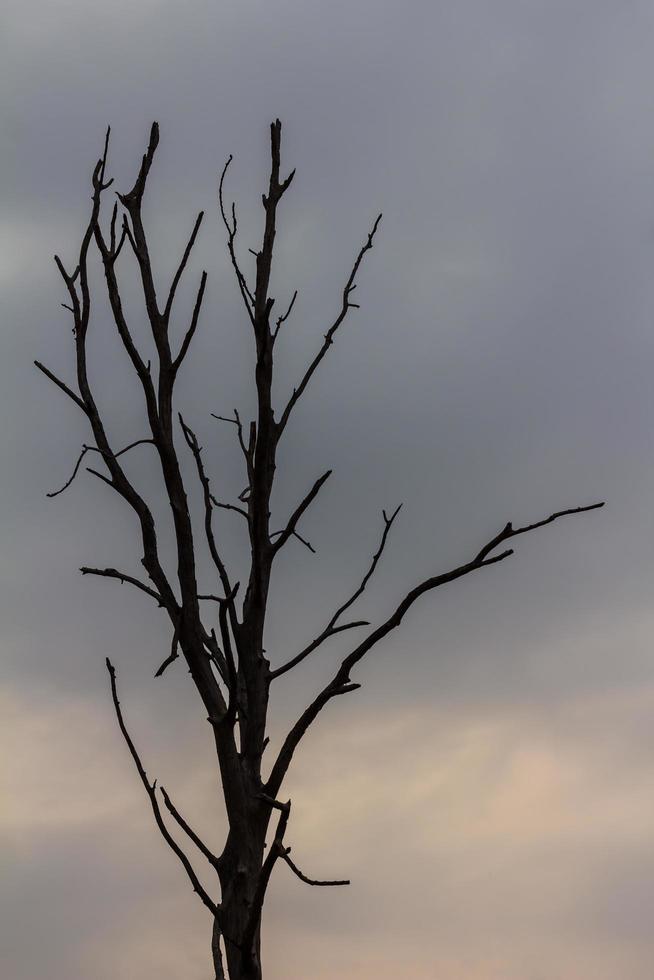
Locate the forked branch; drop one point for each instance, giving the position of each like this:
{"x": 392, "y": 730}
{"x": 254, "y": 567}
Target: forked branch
{"x": 151, "y": 790}
{"x": 182, "y": 266}
{"x": 196, "y": 450}
{"x": 332, "y": 627}
{"x": 341, "y": 683}
{"x": 94, "y": 449}
{"x": 346, "y": 305}
{"x": 304, "y": 504}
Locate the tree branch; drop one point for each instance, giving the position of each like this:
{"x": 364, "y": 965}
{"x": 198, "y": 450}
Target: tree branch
{"x": 186, "y": 343}
{"x": 173, "y": 655}
{"x": 508, "y": 531}
{"x": 350, "y": 286}
{"x": 62, "y": 385}
{"x": 223, "y": 506}
{"x": 276, "y": 850}
{"x": 331, "y": 628}
{"x": 81, "y": 303}
{"x": 310, "y": 881}
{"x": 247, "y": 453}
{"x": 151, "y": 791}
{"x": 294, "y": 534}
{"x": 122, "y": 577}
{"x": 284, "y": 317}
{"x": 341, "y": 683}
{"x": 94, "y": 449}
{"x": 227, "y": 606}
{"x": 248, "y": 298}
{"x": 192, "y": 443}
{"x": 199, "y": 843}
{"x": 299, "y": 511}
{"x": 182, "y": 265}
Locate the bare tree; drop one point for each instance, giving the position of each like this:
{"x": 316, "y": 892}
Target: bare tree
{"x": 229, "y": 668}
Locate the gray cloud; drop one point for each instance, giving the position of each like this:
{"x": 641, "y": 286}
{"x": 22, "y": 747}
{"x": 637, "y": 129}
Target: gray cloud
{"x": 500, "y": 368}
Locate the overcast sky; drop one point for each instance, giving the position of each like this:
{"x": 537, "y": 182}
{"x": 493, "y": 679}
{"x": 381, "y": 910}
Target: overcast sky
{"x": 490, "y": 790}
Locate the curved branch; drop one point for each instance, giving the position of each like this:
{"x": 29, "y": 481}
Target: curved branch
{"x": 246, "y": 293}
{"x": 310, "y": 881}
{"x": 94, "y": 449}
{"x": 150, "y": 789}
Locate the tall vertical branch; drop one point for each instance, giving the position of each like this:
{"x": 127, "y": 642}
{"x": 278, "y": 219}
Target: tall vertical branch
{"x": 262, "y": 452}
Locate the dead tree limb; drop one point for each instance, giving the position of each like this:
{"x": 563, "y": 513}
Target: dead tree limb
{"x": 151, "y": 790}
{"x": 341, "y": 683}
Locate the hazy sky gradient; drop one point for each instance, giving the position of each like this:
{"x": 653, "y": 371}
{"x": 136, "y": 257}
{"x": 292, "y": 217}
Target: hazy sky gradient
{"x": 490, "y": 790}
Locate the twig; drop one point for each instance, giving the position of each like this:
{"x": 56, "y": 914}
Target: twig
{"x": 192, "y": 443}
{"x": 172, "y": 656}
{"x": 331, "y": 629}
{"x": 299, "y": 511}
{"x": 284, "y": 317}
{"x": 182, "y": 266}
{"x": 199, "y": 843}
{"x": 310, "y": 881}
{"x": 329, "y": 336}
{"x": 94, "y": 449}
{"x": 186, "y": 343}
{"x": 248, "y": 298}
{"x": 123, "y": 577}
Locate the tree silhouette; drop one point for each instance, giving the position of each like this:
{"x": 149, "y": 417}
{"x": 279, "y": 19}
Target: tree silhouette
{"x": 229, "y": 668}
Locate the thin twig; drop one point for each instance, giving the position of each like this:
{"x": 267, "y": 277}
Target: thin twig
{"x": 284, "y": 317}
{"x": 186, "y": 343}
{"x": 329, "y": 336}
{"x": 299, "y": 511}
{"x": 331, "y": 629}
{"x": 248, "y": 298}
{"x": 173, "y": 655}
{"x": 94, "y": 449}
{"x": 123, "y": 577}
{"x": 182, "y": 266}
{"x": 199, "y": 843}
{"x": 310, "y": 881}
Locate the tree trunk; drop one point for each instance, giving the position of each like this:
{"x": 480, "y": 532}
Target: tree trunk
{"x": 240, "y": 871}
{"x": 242, "y": 963}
